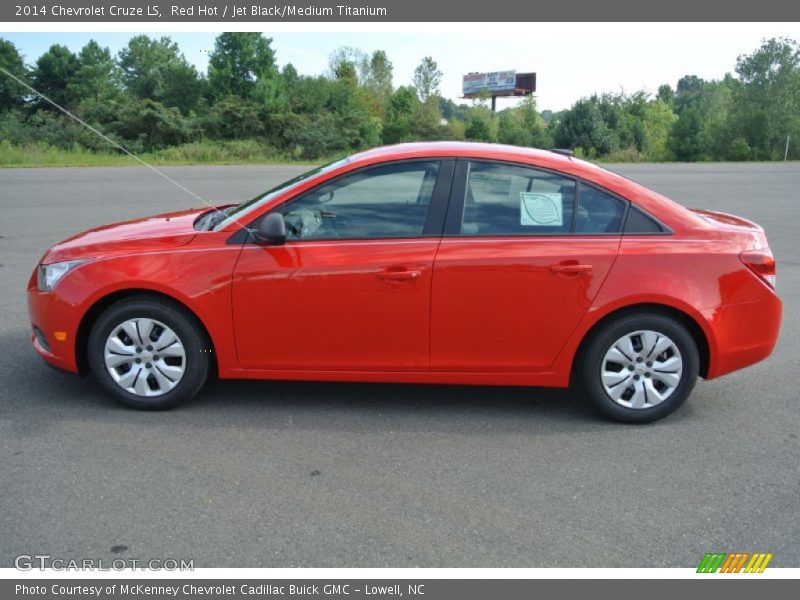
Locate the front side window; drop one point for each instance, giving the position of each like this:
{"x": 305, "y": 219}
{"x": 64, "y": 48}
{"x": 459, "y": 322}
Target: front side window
{"x": 515, "y": 200}
{"x": 222, "y": 218}
{"x": 380, "y": 202}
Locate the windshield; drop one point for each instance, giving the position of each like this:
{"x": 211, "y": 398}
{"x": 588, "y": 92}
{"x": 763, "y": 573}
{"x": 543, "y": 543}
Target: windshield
{"x": 239, "y": 212}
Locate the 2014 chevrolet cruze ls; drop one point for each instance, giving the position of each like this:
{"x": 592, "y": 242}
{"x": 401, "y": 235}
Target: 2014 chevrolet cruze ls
{"x": 435, "y": 263}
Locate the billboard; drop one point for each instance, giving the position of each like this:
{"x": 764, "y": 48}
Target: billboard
{"x": 496, "y": 81}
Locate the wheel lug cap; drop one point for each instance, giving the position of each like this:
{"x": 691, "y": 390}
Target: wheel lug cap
{"x": 138, "y": 360}
{"x": 647, "y": 374}
{"x": 138, "y": 350}
{"x": 630, "y": 367}
{"x": 155, "y": 357}
{"x": 148, "y": 365}
{"x": 149, "y": 348}
{"x": 639, "y": 359}
{"x": 636, "y": 377}
{"x": 649, "y": 363}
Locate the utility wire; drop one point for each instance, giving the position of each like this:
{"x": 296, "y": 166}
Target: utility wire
{"x": 116, "y": 144}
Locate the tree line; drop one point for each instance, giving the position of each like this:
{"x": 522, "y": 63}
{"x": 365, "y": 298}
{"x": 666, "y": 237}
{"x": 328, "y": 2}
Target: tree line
{"x": 149, "y": 97}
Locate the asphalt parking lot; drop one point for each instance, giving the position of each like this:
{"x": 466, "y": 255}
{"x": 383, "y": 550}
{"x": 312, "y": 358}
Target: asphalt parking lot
{"x": 275, "y": 474}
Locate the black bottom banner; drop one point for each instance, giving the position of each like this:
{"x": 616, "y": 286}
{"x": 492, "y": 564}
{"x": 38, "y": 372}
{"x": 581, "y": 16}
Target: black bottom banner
{"x": 362, "y": 589}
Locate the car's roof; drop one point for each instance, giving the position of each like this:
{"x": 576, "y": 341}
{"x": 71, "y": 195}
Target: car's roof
{"x": 544, "y": 158}
{"x": 532, "y": 156}
{"x": 473, "y": 149}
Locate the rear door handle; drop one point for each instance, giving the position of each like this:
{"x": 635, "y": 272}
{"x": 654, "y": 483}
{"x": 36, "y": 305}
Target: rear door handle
{"x": 570, "y": 269}
{"x": 399, "y": 276}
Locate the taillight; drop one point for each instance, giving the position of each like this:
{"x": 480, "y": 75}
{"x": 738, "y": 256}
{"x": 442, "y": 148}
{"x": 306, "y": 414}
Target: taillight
{"x": 762, "y": 263}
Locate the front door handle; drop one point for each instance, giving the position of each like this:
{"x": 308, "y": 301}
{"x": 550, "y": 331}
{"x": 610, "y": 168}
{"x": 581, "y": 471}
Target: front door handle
{"x": 570, "y": 269}
{"x": 399, "y": 276}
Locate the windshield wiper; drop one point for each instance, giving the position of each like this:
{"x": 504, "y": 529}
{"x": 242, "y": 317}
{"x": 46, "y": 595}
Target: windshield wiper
{"x": 211, "y": 218}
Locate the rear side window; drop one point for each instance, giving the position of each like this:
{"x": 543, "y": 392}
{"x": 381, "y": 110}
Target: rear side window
{"x": 598, "y": 212}
{"x": 502, "y": 199}
{"x": 505, "y": 199}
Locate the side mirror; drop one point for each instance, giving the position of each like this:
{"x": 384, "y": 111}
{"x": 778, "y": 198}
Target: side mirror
{"x": 272, "y": 230}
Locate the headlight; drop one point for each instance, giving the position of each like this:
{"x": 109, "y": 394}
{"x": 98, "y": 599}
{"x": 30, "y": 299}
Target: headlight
{"x": 47, "y": 276}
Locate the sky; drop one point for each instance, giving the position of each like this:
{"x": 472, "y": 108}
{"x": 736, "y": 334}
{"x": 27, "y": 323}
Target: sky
{"x": 572, "y": 60}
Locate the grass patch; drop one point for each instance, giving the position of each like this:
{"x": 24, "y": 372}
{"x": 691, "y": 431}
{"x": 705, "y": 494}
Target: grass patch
{"x": 195, "y": 153}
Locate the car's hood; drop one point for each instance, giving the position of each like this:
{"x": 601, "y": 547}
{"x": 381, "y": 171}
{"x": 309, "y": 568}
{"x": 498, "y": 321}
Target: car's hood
{"x": 139, "y": 235}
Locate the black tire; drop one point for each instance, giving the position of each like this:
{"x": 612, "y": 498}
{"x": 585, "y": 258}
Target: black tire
{"x": 185, "y": 326}
{"x": 590, "y": 363}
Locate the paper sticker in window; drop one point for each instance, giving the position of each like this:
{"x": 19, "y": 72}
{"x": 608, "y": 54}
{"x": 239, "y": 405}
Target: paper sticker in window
{"x": 541, "y": 210}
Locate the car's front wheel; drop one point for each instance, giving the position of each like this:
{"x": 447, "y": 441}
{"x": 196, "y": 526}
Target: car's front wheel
{"x": 640, "y": 367}
{"x": 148, "y": 353}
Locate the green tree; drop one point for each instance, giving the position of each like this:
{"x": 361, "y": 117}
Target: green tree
{"x": 450, "y": 110}
{"x": 157, "y": 70}
{"x": 767, "y": 104}
{"x": 233, "y": 117}
{"x": 403, "y": 105}
{"x": 687, "y": 92}
{"x": 584, "y": 126}
{"x": 308, "y": 95}
{"x": 686, "y": 138}
{"x": 715, "y": 104}
{"x": 547, "y": 116}
{"x": 666, "y": 94}
{"x": 738, "y": 150}
{"x": 657, "y": 122}
{"x": 290, "y": 75}
{"x": 427, "y": 120}
{"x": 344, "y": 64}
{"x": 12, "y": 94}
{"x": 52, "y": 75}
{"x": 510, "y": 129}
{"x": 152, "y": 125}
{"x": 427, "y": 79}
{"x": 97, "y": 78}
{"x": 243, "y": 64}
{"x": 482, "y": 124}
{"x": 378, "y": 73}
{"x": 522, "y": 125}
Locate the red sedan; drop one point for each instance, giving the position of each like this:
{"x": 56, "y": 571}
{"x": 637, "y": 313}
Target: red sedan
{"x": 427, "y": 263}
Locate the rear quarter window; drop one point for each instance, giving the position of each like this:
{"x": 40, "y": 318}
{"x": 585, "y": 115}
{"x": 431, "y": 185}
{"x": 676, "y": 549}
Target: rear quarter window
{"x": 638, "y": 222}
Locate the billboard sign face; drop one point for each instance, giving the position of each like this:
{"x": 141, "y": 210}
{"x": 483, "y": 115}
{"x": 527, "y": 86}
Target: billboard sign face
{"x": 497, "y": 81}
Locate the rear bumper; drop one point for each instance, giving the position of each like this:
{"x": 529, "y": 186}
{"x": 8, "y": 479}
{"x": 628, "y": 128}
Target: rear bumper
{"x": 57, "y": 323}
{"x": 744, "y": 333}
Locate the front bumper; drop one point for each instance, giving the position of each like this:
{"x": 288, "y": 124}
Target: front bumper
{"x": 57, "y": 322}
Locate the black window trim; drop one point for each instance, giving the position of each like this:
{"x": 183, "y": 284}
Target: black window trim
{"x": 433, "y": 226}
{"x": 458, "y": 191}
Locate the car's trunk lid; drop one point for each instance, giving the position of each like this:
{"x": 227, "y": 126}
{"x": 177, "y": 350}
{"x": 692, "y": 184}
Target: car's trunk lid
{"x": 726, "y": 219}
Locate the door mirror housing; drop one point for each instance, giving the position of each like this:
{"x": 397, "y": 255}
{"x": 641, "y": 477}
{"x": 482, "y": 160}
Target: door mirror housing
{"x": 271, "y": 230}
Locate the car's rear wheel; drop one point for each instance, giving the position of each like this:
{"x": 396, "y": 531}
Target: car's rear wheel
{"x": 640, "y": 367}
{"x": 148, "y": 353}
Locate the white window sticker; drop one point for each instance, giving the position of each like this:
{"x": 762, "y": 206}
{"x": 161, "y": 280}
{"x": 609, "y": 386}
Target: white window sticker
{"x": 541, "y": 210}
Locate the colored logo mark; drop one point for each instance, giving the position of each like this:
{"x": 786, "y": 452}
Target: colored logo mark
{"x": 737, "y": 562}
